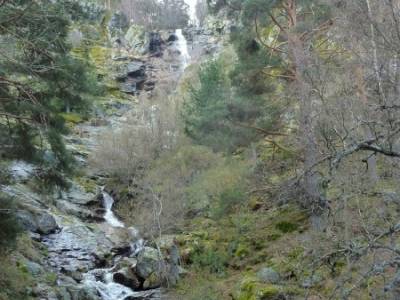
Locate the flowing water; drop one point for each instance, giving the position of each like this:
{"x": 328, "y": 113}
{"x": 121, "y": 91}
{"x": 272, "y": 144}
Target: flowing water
{"x": 182, "y": 46}
{"x": 109, "y": 216}
{"x": 102, "y": 279}
{"x": 72, "y": 247}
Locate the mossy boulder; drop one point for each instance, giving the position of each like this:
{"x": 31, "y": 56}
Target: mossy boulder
{"x": 137, "y": 40}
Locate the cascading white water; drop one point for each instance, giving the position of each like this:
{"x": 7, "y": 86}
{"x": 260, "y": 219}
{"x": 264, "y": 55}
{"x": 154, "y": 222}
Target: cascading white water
{"x": 192, "y": 11}
{"x": 182, "y": 46}
{"x": 108, "y": 289}
{"x": 109, "y": 215}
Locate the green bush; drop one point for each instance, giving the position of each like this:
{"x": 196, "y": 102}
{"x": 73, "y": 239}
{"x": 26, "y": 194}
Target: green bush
{"x": 286, "y": 227}
{"x": 213, "y": 260}
{"x": 227, "y": 200}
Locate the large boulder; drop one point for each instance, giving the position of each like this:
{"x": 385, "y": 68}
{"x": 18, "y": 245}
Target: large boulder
{"x": 38, "y": 221}
{"x": 79, "y": 211}
{"x": 149, "y": 262}
{"x": 127, "y": 277}
{"x": 46, "y": 223}
{"x": 77, "y": 195}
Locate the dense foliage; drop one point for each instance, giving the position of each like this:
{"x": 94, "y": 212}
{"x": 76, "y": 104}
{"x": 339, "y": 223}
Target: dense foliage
{"x": 39, "y": 79}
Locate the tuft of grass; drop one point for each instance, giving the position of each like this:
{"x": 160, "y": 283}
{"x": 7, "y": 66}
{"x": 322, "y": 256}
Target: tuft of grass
{"x": 286, "y": 227}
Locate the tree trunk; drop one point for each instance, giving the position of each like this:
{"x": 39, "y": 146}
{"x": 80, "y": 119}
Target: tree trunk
{"x": 300, "y": 58}
{"x": 371, "y": 161}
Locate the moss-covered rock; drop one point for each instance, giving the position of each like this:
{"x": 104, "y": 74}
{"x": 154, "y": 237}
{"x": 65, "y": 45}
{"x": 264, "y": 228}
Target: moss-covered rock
{"x": 136, "y": 39}
{"x": 72, "y": 118}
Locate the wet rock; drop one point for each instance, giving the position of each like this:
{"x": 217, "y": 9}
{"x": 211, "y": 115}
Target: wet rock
{"x": 172, "y": 38}
{"x": 127, "y": 277}
{"x": 75, "y": 246}
{"x": 84, "y": 292}
{"x": 75, "y": 275}
{"x": 129, "y": 262}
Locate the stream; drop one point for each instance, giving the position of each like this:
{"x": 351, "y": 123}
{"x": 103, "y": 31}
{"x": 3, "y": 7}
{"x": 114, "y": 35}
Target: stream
{"x": 79, "y": 250}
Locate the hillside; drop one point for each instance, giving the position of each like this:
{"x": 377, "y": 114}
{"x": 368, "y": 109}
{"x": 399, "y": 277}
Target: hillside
{"x": 199, "y": 150}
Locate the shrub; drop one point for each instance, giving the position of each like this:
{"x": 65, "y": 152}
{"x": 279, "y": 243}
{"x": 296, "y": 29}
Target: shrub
{"x": 213, "y": 260}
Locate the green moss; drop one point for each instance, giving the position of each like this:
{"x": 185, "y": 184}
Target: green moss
{"x": 248, "y": 288}
{"x": 274, "y": 236}
{"x": 242, "y": 251}
{"x": 286, "y": 227}
{"x": 72, "y": 118}
{"x": 51, "y": 278}
{"x": 90, "y": 186}
{"x": 268, "y": 292}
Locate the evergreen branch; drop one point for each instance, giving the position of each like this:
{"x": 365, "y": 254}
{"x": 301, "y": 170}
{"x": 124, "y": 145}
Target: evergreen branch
{"x": 283, "y": 29}
{"x": 15, "y": 116}
{"x": 261, "y": 40}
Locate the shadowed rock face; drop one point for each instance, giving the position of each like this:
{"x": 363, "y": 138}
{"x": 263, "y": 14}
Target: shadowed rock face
{"x": 133, "y": 77}
{"x": 155, "y": 43}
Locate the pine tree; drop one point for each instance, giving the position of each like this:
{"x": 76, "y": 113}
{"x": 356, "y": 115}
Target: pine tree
{"x": 39, "y": 79}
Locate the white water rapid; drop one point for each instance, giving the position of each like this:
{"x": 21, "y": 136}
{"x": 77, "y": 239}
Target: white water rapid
{"x": 109, "y": 215}
{"x": 182, "y": 46}
{"x": 192, "y": 11}
{"x": 107, "y": 289}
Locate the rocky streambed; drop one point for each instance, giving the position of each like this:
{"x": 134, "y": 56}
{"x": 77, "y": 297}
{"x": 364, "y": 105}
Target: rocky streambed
{"x": 90, "y": 250}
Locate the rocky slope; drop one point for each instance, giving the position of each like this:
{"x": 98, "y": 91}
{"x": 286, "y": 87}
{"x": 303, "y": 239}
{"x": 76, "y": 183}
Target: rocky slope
{"x": 89, "y": 253}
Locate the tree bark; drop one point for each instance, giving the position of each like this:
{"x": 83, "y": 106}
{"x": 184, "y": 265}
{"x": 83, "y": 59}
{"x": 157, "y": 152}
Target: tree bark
{"x": 301, "y": 63}
{"x": 371, "y": 161}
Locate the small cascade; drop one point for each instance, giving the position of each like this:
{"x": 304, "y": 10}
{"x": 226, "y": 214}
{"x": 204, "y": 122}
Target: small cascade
{"x": 109, "y": 216}
{"x": 108, "y": 289}
{"x": 182, "y": 46}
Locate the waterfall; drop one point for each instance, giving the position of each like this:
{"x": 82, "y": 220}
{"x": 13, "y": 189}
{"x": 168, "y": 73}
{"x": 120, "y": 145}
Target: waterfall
{"x": 109, "y": 216}
{"x": 192, "y": 11}
{"x": 182, "y": 46}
